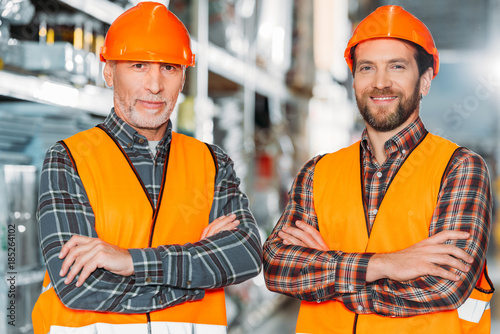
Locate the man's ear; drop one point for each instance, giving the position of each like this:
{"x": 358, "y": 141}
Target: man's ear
{"x": 425, "y": 81}
{"x": 183, "y": 82}
{"x": 108, "y": 73}
{"x": 183, "y": 78}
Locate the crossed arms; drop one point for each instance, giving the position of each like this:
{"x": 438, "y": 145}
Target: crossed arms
{"x": 104, "y": 277}
{"x": 436, "y": 274}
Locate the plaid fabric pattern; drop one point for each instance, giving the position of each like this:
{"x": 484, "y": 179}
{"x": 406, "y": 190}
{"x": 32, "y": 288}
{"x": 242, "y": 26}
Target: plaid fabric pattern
{"x": 464, "y": 203}
{"x": 376, "y": 177}
{"x": 166, "y": 275}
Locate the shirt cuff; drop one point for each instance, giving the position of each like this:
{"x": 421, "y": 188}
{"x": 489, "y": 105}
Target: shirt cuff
{"x": 359, "y": 303}
{"x": 148, "y": 266}
{"x": 350, "y": 272}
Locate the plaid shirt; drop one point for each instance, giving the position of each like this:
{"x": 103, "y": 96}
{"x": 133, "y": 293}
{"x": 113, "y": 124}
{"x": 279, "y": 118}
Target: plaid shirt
{"x": 464, "y": 203}
{"x": 64, "y": 210}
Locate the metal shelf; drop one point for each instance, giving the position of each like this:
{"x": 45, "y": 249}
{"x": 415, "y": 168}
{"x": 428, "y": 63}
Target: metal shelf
{"x": 236, "y": 70}
{"x": 89, "y": 98}
{"x": 102, "y": 10}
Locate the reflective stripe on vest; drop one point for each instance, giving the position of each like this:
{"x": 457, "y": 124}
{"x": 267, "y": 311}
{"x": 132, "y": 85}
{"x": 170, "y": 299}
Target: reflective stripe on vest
{"x": 478, "y": 304}
{"x": 47, "y": 288}
{"x": 125, "y": 216}
{"x": 156, "y": 327}
{"x": 472, "y": 310}
{"x": 403, "y": 219}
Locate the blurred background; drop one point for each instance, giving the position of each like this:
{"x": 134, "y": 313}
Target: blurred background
{"x": 270, "y": 86}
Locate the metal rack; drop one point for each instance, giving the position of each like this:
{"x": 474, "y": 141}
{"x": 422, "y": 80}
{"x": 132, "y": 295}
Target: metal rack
{"x": 26, "y": 87}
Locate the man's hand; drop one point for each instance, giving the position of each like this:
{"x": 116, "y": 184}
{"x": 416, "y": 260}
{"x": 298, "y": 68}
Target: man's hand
{"x": 223, "y": 223}
{"x": 424, "y": 258}
{"x": 303, "y": 235}
{"x": 84, "y": 255}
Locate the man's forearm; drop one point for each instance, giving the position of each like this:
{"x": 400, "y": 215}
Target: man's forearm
{"x": 428, "y": 257}
{"x": 114, "y": 293}
{"x": 226, "y": 258}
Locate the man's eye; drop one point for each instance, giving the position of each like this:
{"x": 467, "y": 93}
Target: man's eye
{"x": 138, "y": 65}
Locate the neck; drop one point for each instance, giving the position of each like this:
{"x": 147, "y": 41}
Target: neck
{"x": 153, "y": 134}
{"x": 377, "y": 142}
{"x": 377, "y": 139}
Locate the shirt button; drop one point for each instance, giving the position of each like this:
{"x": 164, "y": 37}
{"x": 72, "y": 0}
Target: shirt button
{"x": 403, "y": 151}
{"x": 350, "y": 287}
{"x": 129, "y": 145}
{"x": 188, "y": 283}
{"x": 379, "y": 174}
{"x": 359, "y": 308}
{"x": 374, "y": 211}
{"x": 160, "y": 301}
{"x": 148, "y": 280}
{"x": 141, "y": 141}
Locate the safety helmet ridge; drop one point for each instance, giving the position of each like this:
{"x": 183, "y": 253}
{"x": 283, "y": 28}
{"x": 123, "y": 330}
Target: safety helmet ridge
{"x": 393, "y": 22}
{"x": 148, "y": 32}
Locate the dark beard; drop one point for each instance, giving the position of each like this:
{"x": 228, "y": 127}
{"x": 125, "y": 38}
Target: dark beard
{"x": 392, "y": 121}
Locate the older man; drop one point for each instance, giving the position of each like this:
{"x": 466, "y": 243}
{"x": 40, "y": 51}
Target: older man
{"x": 125, "y": 207}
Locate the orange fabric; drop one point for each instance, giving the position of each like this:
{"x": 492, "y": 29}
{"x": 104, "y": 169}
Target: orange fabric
{"x": 112, "y": 188}
{"x": 338, "y": 202}
{"x": 148, "y": 32}
{"x": 393, "y": 22}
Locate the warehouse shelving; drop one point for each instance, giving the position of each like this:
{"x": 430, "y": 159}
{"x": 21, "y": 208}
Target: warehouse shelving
{"x": 93, "y": 99}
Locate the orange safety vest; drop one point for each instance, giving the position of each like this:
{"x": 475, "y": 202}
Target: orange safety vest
{"x": 124, "y": 216}
{"x": 403, "y": 219}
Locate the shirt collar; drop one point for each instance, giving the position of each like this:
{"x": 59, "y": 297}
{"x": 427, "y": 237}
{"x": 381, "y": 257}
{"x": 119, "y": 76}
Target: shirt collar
{"x": 404, "y": 141}
{"x": 127, "y": 136}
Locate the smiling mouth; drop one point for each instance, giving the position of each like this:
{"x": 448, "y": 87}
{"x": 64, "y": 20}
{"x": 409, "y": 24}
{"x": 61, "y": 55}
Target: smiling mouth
{"x": 151, "y": 104}
{"x": 383, "y": 98}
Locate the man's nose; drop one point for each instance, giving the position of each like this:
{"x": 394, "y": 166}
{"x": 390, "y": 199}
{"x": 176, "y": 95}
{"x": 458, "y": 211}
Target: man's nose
{"x": 382, "y": 80}
{"x": 153, "y": 79}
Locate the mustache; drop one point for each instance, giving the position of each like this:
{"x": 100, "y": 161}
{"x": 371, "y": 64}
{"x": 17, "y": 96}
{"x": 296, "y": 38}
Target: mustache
{"x": 152, "y": 98}
{"x": 384, "y": 91}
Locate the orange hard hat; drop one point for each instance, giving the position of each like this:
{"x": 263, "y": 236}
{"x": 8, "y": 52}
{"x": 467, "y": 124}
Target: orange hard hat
{"x": 148, "y": 32}
{"x": 393, "y": 22}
